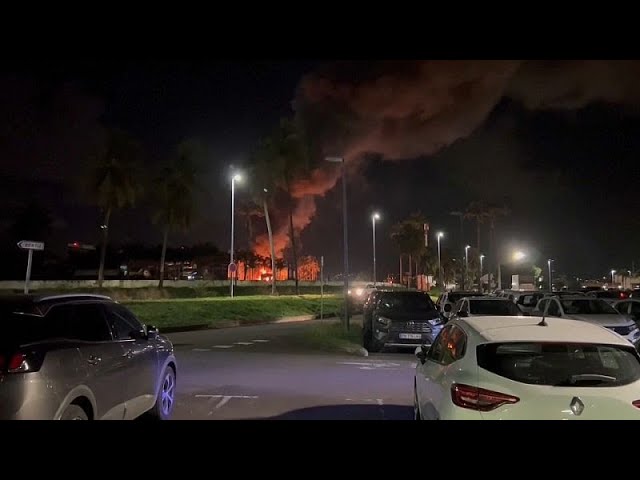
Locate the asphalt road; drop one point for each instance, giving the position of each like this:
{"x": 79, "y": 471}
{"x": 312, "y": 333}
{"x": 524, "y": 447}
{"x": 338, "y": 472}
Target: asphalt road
{"x": 256, "y": 373}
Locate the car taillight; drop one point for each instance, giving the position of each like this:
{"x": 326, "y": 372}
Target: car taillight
{"x": 636, "y": 403}
{"x": 475, "y": 398}
{"x": 21, "y": 362}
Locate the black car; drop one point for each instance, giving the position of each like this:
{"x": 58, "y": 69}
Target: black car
{"x": 400, "y": 319}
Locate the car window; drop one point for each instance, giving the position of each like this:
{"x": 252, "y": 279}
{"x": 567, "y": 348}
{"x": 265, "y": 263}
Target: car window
{"x": 542, "y": 305}
{"x": 561, "y": 364}
{"x": 122, "y": 322}
{"x": 554, "y": 309}
{"x": 587, "y": 306}
{"x": 449, "y": 346}
{"x": 528, "y": 300}
{"x": 493, "y": 307}
{"x": 635, "y": 308}
{"x": 409, "y": 301}
{"x": 458, "y": 306}
{"x": 83, "y": 321}
{"x": 622, "y": 307}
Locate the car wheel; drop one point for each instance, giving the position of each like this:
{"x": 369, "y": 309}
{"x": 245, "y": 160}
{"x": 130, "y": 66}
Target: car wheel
{"x": 416, "y": 406}
{"x": 166, "y": 398}
{"x": 74, "y": 412}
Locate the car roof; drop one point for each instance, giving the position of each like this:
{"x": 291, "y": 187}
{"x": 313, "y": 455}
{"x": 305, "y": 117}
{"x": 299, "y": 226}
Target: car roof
{"x": 40, "y": 304}
{"x": 484, "y": 298}
{"x": 514, "y": 329}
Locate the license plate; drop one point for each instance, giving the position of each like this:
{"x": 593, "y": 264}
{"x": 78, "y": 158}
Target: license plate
{"x": 410, "y": 336}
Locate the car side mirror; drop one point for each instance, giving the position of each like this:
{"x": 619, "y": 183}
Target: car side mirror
{"x": 447, "y": 308}
{"x": 138, "y": 334}
{"x": 421, "y": 354}
{"x": 152, "y": 331}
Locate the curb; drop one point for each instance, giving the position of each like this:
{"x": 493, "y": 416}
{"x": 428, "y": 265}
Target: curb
{"x": 236, "y": 323}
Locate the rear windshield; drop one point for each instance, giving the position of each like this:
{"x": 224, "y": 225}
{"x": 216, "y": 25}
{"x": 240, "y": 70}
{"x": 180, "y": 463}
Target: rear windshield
{"x": 408, "y": 301}
{"x": 16, "y": 329}
{"x": 493, "y": 307}
{"x": 587, "y": 306}
{"x": 529, "y": 300}
{"x": 455, "y": 296}
{"x": 561, "y": 364}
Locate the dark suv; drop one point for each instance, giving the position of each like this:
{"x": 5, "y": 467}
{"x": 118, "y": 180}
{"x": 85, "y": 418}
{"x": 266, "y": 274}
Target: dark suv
{"x": 400, "y": 319}
{"x": 81, "y": 357}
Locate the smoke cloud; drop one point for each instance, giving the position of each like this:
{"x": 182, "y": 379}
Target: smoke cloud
{"x": 413, "y": 109}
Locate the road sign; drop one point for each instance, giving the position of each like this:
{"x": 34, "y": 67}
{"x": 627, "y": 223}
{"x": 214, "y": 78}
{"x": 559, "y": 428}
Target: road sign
{"x": 233, "y": 267}
{"x": 29, "y": 245}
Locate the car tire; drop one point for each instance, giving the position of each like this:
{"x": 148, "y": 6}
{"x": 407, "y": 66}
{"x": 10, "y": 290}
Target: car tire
{"x": 166, "y": 399}
{"x": 417, "y": 415}
{"x": 368, "y": 342}
{"x": 74, "y": 412}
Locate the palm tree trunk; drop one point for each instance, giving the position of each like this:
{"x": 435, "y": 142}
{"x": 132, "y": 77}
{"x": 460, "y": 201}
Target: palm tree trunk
{"x": 165, "y": 237}
{"x": 103, "y": 251}
{"x": 271, "y": 247}
{"x": 294, "y": 253}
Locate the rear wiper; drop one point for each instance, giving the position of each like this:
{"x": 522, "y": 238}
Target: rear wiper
{"x": 588, "y": 377}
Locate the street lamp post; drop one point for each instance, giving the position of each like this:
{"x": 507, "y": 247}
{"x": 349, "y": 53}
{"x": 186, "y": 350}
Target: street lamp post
{"x": 466, "y": 265}
{"x": 440, "y": 235}
{"x": 345, "y": 248}
{"x": 374, "y": 217}
{"x": 480, "y": 282}
{"x": 232, "y": 266}
{"x": 613, "y": 272}
{"x": 550, "y": 278}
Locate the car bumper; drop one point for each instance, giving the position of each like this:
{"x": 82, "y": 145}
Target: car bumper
{"x": 407, "y": 339}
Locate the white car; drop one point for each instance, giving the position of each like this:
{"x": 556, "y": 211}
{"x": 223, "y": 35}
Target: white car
{"x": 501, "y": 368}
{"x": 592, "y": 310}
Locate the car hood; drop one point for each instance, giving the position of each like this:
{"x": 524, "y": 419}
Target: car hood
{"x": 606, "y": 320}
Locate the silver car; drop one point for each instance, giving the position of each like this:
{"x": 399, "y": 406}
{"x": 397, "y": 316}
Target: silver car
{"x": 485, "y": 306}
{"x": 592, "y": 310}
{"x": 81, "y": 357}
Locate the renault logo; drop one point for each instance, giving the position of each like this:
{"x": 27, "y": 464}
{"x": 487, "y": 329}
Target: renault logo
{"x": 577, "y": 406}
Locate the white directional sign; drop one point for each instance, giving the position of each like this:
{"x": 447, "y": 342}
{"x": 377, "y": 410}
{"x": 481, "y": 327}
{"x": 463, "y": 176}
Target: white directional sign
{"x": 29, "y": 245}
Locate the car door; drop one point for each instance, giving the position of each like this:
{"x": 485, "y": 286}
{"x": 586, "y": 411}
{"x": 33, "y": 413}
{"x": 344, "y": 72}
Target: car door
{"x": 103, "y": 356}
{"x": 429, "y": 375}
{"x": 634, "y": 311}
{"x": 140, "y": 359}
{"x": 623, "y": 307}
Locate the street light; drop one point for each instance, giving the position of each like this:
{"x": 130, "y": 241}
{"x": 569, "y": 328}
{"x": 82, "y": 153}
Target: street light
{"x": 519, "y": 255}
{"x": 481, "y": 259}
{"x": 345, "y": 247}
{"x": 550, "y": 278}
{"x": 466, "y": 265}
{"x": 440, "y": 235}
{"x": 612, "y": 279}
{"x": 232, "y": 266}
{"x": 374, "y": 217}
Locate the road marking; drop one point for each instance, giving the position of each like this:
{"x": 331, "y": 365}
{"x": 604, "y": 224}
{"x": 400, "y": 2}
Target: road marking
{"x": 201, "y": 349}
{"x": 223, "y": 346}
{"x": 260, "y": 341}
{"x": 243, "y": 343}
{"x": 224, "y": 399}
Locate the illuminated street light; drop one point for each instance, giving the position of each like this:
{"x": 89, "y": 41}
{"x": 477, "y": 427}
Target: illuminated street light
{"x": 466, "y": 265}
{"x": 232, "y": 266}
{"x": 612, "y": 278}
{"x": 519, "y": 255}
{"x": 439, "y": 235}
{"x": 480, "y": 282}
{"x": 550, "y": 278}
{"x": 374, "y": 217}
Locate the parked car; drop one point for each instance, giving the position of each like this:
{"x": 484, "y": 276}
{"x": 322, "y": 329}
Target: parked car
{"x": 527, "y": 300}
{"x": 484, "y": 306}
{"x": 564, "y": 293}
{"x": 400, "y": 319}
{"x": 630, "y": 308}
{"x": 447, "y": 300}
{"x": 496, "y": 368}
{"x": 593, "y": 310}
{"x": 359, "y": 295}
{"x": 81, "y": 357}
{"x": 609, "y": 296}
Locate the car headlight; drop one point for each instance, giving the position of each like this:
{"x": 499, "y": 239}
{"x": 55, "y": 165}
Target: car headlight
{"x": 435, "y": 321}
{"x": 634, "y": 329}
{"x": 384, "y": 320}
{"x": 359, "y": 292}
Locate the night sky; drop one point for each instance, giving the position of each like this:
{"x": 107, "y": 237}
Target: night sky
{"x": 570, "y": 171}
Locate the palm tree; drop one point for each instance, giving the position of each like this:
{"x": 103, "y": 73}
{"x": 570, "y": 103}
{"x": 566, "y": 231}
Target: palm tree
{"x": 248, "y": 210}
{"x": 114, "y": 182}
{"x": 409, "y": 237}
{"x": 285, "y": 153}
{"x": 175, "y": 189}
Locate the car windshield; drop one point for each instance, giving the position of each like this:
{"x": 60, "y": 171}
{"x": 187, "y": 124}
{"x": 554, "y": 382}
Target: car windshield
{"x": 493, "y": 307}
{"x": 527, "y": 300}
{"x": 587, "y": 306}
{"x": 455, "y": 296}
{"x": 561, "y": 364}
{"x": 409, "y": 301}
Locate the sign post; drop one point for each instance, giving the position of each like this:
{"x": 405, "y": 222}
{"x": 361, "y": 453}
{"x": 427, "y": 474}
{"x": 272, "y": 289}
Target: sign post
{"x": 30, "y": 246}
